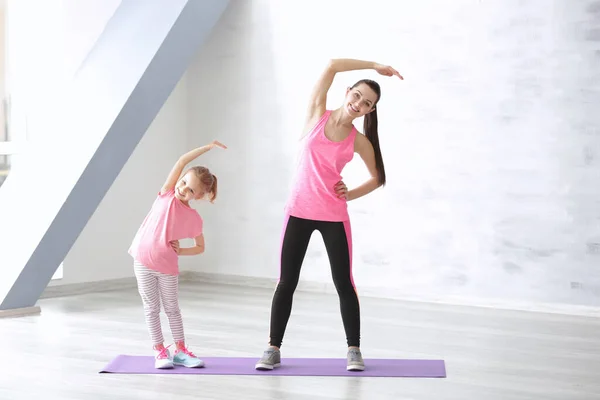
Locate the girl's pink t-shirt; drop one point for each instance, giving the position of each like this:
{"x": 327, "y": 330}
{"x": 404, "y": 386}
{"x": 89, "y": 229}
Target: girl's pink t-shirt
{"x": 169, "y": 219}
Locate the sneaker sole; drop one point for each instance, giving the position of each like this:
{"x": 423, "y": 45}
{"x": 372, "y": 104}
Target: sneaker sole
{"x": 355, "y": 368}
{"x": 190, "y": 366}
{"x": 266, "y": 367}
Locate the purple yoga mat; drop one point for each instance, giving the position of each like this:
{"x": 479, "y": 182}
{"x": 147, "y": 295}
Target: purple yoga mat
{"x": 125, "y": 364}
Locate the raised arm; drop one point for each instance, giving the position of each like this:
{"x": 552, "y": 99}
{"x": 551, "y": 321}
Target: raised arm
{"x": 318, "y": 96}
{"x": 185, "y": 160}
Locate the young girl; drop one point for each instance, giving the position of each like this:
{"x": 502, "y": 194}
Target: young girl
{"x": 155, "y": 250}
{"x": 318, "y": 200}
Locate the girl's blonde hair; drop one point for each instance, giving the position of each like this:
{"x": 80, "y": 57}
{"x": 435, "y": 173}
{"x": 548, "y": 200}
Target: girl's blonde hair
{"x": 208, "y": 180}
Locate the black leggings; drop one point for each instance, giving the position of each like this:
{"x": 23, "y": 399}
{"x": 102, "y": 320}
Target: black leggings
{"x": 338, "y": 242}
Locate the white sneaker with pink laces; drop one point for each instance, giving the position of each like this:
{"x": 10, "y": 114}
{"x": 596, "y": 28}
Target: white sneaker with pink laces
{"x": 186, "y": 358}
{"x": 162, "y": 359}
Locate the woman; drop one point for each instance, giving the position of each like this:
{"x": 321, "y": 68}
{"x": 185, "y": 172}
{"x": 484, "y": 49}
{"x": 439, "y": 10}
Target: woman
{"x": 319, "y": 199}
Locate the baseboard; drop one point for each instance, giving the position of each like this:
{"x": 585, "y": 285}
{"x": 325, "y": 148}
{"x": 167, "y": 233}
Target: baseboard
{"x": 498, "y": 304}
{"x": 72, "y": 289}
{"x": 224, "y": 279}
{"x": 394, "y": 294}
{"x": 255, "y": 282}
{"x": 20, "y": 312}
{"x": 327, "y": 288}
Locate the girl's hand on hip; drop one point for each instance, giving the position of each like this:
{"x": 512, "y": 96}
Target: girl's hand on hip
{"x": 175, "y": 245}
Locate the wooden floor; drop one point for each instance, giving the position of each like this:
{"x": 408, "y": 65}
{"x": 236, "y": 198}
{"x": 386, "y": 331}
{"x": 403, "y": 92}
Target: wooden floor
{"x": 497, "y": 354}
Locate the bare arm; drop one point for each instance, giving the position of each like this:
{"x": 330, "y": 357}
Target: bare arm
{"x": 192, "y": 251}
{"x": 185, "y": 160}
{"x": 364, "y": 148}
{"x": 318, "y": 96}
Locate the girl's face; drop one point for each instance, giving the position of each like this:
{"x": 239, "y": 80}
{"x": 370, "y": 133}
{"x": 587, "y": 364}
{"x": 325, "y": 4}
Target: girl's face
{"x": 359, "y": 101}
{"x": 189, "y": 188}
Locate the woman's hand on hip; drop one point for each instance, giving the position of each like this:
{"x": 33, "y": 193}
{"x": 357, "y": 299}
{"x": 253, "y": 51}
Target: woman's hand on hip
{"x": 341, "y": 190}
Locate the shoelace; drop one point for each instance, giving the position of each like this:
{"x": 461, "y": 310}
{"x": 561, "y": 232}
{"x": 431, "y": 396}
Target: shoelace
{"x": 354, "y": 355}
{"x": 163, "y": 353}
{"x": 186, "y": 351}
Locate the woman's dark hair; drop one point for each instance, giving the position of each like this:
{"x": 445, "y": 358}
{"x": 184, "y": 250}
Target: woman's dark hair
{"x": 370, "y": 128}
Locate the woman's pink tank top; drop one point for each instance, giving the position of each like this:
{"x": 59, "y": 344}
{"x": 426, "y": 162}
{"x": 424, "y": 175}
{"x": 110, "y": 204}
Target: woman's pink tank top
{"x": 319, "y": 169}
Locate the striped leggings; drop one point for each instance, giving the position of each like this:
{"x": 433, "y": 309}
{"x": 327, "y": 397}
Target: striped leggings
{"x": 153, "y": 287}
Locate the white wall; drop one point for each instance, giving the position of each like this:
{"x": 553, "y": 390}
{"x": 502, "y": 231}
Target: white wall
{"x": 489, "y": 196}
{"x": 491, "y": 193}
{"x": 2, "y": 64}
{"x": 100, "y": 252}
{"x": 47, "y": 41}
{"x": 43, "y": 44}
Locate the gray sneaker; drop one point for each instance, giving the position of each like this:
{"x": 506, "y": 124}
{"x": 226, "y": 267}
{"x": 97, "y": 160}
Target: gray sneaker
{"x": 355, "y": 360}
{"x": 271, "y": 359}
